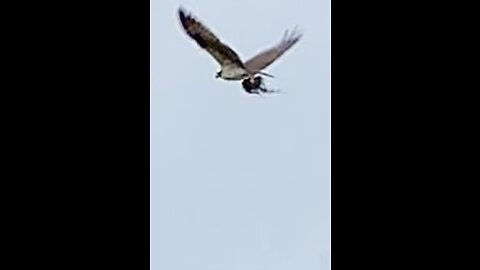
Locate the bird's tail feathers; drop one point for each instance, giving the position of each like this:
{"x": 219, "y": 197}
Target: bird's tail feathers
{"x": 263, "y": 73}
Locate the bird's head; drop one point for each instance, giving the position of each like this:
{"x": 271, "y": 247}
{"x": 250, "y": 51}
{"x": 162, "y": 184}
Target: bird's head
{"x": 218, "y": 74}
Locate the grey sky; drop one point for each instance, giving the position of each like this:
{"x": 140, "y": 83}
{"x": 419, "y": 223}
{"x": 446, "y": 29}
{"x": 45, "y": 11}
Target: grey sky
{"x": 240, "y": 182}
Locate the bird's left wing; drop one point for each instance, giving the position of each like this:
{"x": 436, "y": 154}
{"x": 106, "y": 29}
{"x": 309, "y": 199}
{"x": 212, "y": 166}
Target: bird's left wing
{"x": 208, "y": 41}
{"x": 265, "y": 58}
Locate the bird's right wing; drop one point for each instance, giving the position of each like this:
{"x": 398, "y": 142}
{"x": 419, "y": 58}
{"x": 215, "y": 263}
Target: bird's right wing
{"x": 208, "y": 41}
{"x": 265, "y": 58}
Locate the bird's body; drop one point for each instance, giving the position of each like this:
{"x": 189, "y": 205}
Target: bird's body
{"x": 232, "y": 67}
{"x": 233, "y": 73}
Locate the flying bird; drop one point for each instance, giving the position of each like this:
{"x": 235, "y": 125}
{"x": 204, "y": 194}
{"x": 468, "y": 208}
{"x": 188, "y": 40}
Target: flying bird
{"x": 231, "y": 66}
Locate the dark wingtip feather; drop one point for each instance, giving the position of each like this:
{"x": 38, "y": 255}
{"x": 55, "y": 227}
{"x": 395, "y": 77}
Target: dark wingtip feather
{"x": 181, "y": 13}
{"x": 183, "y": 16}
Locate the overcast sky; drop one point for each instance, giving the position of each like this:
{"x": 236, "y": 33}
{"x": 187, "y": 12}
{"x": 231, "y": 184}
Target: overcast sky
{"x": 238, "y": 181}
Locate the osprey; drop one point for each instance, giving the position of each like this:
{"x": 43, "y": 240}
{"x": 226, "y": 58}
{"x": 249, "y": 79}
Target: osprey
{"x": 232, "y": 68}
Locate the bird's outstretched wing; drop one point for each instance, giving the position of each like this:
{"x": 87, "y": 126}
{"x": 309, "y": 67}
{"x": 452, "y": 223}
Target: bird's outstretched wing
{"x": 265, "y": 58}
{"x": 208, "y": 41}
